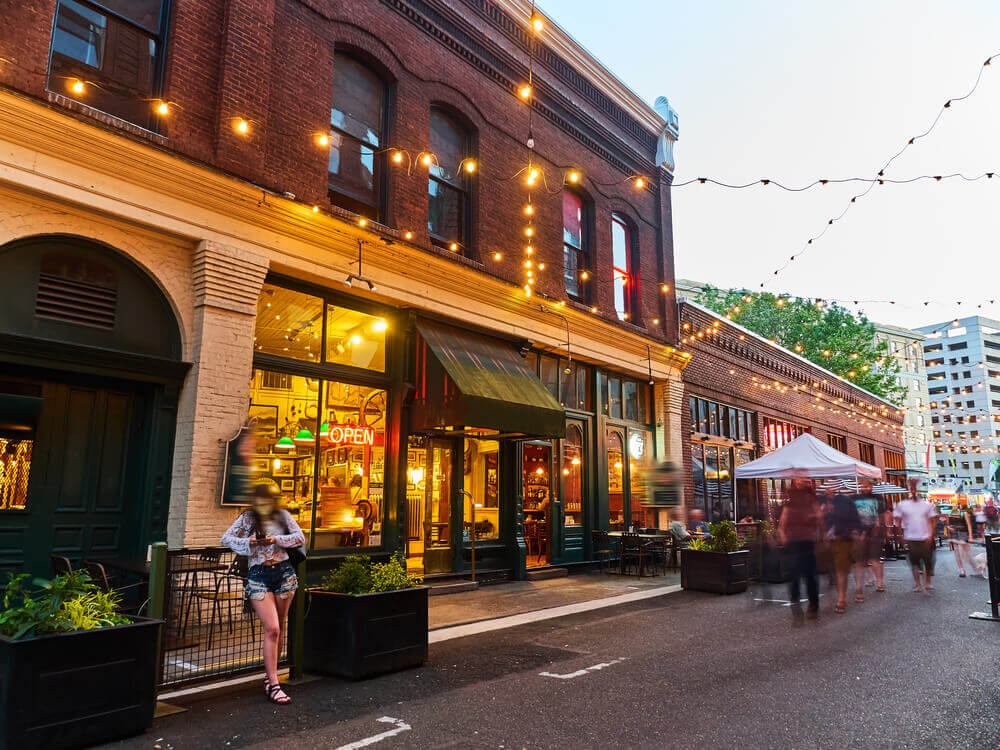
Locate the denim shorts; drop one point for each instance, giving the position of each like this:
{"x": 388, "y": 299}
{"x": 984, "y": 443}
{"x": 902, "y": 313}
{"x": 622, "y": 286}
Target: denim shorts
{"x": 279, "y": 580}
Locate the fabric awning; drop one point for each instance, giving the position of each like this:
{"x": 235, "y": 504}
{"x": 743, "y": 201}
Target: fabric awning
{"x": 496, "y": 388}
{"x": 806, "y": 457}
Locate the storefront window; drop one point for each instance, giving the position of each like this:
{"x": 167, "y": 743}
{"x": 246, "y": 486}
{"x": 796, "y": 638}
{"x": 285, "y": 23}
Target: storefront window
{"x": 351, "y": 480}
{"x": 615, "y": 398}
{"x": 639, "y": 461}
{"x": 572, "y": 476}
{"x": 747, "y": 504}
{"x": 630, "y": 395}
{"x": 550, "y": 375}
{"x": 482, "y": 485}
{"x": 289, "y": 324}
{"x": 283, "y": 420}
{"x": 355, "y": 339}
{"x": 616, "y": 482}
{"x": 698, "y": 476}
{"x": 15, "y": 465}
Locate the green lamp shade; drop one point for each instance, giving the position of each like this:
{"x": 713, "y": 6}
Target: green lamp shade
{"x": 304, "y": 436}
{"x": 285, "y": 444}
{"x": 324, "y": 431}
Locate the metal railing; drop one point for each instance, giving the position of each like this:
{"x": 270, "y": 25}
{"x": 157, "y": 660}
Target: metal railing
{"x": 208, "y": 634}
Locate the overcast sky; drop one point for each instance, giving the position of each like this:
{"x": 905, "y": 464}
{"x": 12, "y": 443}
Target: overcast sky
{"x": 797, "y": 91}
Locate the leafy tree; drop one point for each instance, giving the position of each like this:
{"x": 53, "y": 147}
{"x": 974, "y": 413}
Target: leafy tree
{"x": 824, "y": 333}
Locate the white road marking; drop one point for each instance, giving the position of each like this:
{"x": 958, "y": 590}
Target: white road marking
{"x": 400, "y": 727}
{"x": 784, "y": 602}
{"x": 500, "y": 623}
{"x": 582, "y": 672}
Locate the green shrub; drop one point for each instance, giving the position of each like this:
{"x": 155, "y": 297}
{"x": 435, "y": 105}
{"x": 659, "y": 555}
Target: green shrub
{"x": 359, "y": 575}
{"x": 699, "y": 544}
{"x": 352, "y": 576}
{"x": 724, "y": 537}
{"x": 67, "y": 603}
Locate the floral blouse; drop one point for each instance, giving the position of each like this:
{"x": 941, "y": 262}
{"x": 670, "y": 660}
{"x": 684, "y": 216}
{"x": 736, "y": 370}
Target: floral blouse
{"x": 239, "y": 535}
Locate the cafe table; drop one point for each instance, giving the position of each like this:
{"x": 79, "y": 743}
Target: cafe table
{"x": 646, "y": 536}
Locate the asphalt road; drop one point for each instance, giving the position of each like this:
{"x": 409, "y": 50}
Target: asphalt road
{"x": 901, "y": 670}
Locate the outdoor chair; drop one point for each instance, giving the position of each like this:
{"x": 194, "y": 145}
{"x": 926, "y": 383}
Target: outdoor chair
{"x": 194, "y": 582}
{"x": 633, "y": 551}
{"x": 229, "y": 588}
{"x": 658, "y": 549}
{"x": 100, "y": 577}
{"x": 60, "y": 565}
{"x": 601, "y": 548}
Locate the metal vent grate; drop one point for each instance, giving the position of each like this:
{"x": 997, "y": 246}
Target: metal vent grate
{"x": 75, "y": 301}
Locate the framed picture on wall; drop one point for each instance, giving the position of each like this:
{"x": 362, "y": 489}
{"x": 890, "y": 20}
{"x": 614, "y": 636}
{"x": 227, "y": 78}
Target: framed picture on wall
{"x": 288, "y": 485}
{"x": 492, "y": 486}
{"x": 267, "y": 419}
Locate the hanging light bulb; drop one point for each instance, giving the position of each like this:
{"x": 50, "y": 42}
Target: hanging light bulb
{"x": 162, "y": 108}
{"x": 525, "y": 91}
{"x": 497, "y": 256}
{"x": 77, "y": 87}
{"x": 537, "y": 24}
{"x": 529, "y": 210}
{"x": 573, "y": 176}
{"x": 640, "y": 183}
{"x": 242, "y": 126}
{"x": 397, "y": 156}
{"x": 426, "y": 160}
{"x": 470, "y": 166}
{"x": 323, "y": 139}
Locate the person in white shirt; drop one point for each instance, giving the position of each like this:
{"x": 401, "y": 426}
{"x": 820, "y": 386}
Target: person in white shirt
{"x": 918, "y": 521}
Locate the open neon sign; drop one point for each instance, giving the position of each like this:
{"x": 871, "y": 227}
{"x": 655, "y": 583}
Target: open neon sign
{"x": 341, "y": 434}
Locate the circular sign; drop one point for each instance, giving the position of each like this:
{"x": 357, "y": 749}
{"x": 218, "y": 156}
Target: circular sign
{"x": 636, "y": 445}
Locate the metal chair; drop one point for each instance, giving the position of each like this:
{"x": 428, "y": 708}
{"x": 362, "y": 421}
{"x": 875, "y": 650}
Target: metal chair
{"x": 633, "y": 550}
{"x": 601, "y": 548}
{"x": 100, "y": 577}
{"x": 229, "y": 588}
{"x": 60, "y": 565}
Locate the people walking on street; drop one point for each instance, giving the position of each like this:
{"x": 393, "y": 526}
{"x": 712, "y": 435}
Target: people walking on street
{"x": 846, "y": 539}
{"x": 799, "y": 529}
{"x": 263, "y": 534}
{"x": 980, "y": 516}
{"x": 961, "y": 528}
{"x": 918, "y": 520}
{"x": 992, "y": 518}
{"x": 871, "y": 510}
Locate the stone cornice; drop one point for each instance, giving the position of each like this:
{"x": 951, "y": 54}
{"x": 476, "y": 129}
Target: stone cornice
{"x": 60, "y": 157}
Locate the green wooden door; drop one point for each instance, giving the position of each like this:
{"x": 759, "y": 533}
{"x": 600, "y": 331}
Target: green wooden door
{"x": 84, "y": 497}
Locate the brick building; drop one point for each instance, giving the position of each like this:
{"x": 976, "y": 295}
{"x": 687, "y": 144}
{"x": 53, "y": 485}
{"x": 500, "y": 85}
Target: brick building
{"x": 746, "y": 396}
{"x": 307, "y": 217}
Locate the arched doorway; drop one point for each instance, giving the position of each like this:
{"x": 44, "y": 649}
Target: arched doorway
{"x": 90, "y": 370}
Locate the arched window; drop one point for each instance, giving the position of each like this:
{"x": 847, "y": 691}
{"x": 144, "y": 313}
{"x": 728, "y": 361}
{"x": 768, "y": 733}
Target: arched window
{"x": 448, "y": 186}
{"x": 624, "y": 277}
{"x": 572, "y": 471}
{"x": 576, "y": 250}
{"x": 357, "y": 132}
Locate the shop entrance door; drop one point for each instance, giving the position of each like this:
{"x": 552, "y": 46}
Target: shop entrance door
{"x": 536, "y": 474}
{"x": 429, "y": 547}
{"x": 83, "y": 472}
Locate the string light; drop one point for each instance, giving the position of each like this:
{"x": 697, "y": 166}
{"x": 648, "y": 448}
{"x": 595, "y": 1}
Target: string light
{"x": 162, "y": 108}
{"x": 573, "y": 176}
{"x": 537, "y": 24}
{"x": 323, "y": 139}
{"x": 497, "y": 256}
{"x": 408, "y": 235}
{"x": 525, "y": 92}
{"x": 242, "y": 126}
{"x": 77, "y": 86}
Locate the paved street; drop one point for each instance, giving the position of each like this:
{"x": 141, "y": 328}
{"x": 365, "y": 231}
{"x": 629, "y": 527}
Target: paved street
{"x": 901, "y": 670}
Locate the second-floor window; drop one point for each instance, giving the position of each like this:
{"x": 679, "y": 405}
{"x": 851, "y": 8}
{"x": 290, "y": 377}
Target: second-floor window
{"x": 357, "y": 124}
{"x": 448, "y": 185}
{"x": 623, "y": 276}
{"x": 575, "y": 260}
{"x": 108, "y": 55}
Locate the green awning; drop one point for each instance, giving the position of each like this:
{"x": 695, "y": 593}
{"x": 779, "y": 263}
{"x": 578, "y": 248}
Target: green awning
{"x": 497, "y": 389}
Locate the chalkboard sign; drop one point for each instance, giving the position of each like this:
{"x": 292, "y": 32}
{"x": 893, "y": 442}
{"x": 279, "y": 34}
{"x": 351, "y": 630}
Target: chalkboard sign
{"x": 237, "y": 469}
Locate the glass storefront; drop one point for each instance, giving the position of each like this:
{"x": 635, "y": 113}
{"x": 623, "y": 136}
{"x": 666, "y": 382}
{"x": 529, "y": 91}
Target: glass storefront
{"x": 320, "y": 438}
{"x": 616, "y": 481}
{"x": 572, "y": 475}
{"x": 330, "y": 471}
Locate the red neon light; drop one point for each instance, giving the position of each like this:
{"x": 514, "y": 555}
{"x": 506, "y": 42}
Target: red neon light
{"x": 353, "y": 434}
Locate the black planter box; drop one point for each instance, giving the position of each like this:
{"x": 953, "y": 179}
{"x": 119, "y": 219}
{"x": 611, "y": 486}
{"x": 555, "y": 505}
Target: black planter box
{"x": 78, "y": 689}
{"x": 360, "y": 636}
{"x": 716, "y": 572}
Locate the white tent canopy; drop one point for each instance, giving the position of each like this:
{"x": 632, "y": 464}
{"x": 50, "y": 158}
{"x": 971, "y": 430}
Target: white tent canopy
{"x": 808, "y": 458}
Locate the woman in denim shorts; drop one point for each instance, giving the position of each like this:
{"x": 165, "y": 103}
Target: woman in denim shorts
{"x": 263, "y": 534}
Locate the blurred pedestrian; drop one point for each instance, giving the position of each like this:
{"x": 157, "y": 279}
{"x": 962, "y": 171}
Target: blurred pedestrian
{"x": 980, "y": 516}
{"x": 961, "y": 534}
{"x": 847, "y": 535}
{"x": 697, "y": 524}
{"x": 799, "y": 529}
{"x": 871, "y": 510}
{"x": 918, "y": 519}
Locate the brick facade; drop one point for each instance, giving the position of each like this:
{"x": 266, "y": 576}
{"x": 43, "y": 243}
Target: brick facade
{"x": 271, "y": 62}
{"x": 736, "y": 368}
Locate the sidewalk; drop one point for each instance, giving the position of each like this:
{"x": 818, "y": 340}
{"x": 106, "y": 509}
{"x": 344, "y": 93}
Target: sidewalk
{"x": 521, "y": 597}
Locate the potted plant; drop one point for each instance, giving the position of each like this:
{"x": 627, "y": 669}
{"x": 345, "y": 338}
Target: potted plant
{"x": 73, "y": 671}
{"x": 718, "y": 564}
{"x": 365, "y": 619}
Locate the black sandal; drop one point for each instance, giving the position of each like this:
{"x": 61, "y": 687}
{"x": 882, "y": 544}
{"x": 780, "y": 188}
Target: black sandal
{"x": 272, "y": 691}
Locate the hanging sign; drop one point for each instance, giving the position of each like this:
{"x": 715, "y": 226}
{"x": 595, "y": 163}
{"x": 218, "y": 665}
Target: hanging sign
{"x": 350, "y": 434}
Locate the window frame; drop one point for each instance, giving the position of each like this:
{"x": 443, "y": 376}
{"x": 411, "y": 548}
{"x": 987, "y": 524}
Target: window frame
{"x": 463, "y": 189}
{"x": 630, "y": 283}
{"x": 582, "y": 253}
{"x": 380, "y": 173}
{"x": 158, "y": 77}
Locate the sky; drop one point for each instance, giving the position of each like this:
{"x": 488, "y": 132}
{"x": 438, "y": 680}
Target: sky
{"x": 797, "y": 91}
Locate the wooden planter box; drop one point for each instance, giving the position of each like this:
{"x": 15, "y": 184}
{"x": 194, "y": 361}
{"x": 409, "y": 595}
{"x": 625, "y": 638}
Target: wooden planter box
{"x": 78, "y": 689}
{"x": 716, "y": 572}
{"x": 360, "y": 636}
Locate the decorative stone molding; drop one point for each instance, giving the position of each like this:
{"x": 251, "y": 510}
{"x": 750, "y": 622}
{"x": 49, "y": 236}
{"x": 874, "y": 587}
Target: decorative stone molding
{"x": 227, "y": 277}
{"x": 668, "y": 134}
